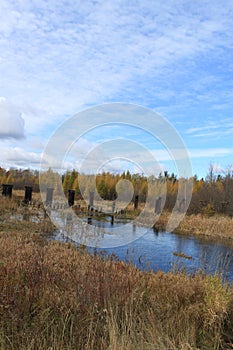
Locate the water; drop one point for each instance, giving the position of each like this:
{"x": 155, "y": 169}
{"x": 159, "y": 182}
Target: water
{"x": 155, "y": 251}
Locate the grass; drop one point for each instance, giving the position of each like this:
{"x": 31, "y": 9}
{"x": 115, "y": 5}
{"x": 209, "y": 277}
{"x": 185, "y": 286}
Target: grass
{"x": 54, "y": 296}
{"x": 216, "y": 226}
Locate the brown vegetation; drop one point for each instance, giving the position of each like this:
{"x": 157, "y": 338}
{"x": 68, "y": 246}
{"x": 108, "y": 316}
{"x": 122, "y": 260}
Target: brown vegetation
{"x": 216, "y": 226}
{"x": 55, "y": 296}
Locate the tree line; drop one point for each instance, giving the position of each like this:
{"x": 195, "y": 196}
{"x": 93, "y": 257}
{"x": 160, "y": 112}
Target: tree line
{"x": 211, "y": 195}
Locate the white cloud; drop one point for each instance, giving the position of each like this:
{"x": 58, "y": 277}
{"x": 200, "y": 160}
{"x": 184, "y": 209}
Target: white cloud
{"x": 67, "y": 55}
{"x": 11, "y": 121}
{"x": 58, "y": 57}
{"x": 19, "y": 157}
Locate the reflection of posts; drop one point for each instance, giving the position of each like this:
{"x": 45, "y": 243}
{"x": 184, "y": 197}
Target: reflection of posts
{"x": 28, "y": 194}
{"x": 134, "y": 228}
{"x": 158, "y": 203}
{"x": 71, "y": 194}
{"x": 49, "y": 196}
{"x": 91, "y": 199}
{"x": 7, "y": 190}
{"x": 136, "y": 200}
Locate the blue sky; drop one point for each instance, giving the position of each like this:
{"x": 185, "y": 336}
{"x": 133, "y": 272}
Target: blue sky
{"x": 59, "y": 57}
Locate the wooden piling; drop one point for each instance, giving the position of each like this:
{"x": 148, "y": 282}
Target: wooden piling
{"x": 136, "y": 200}
{"x": 71, "y": 195}
{"x": 27, "y": 194}
{"x": 49, "y": 196}
{"x": 91, "y": 199}
{"x": 7, "y": 190}
{"x": 158, "y": 203}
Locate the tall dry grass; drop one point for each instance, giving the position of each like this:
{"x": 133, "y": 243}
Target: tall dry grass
{"x": 14, "y": 214}
{"x": 55, "y": 296}
{"x": 217, "y": 226}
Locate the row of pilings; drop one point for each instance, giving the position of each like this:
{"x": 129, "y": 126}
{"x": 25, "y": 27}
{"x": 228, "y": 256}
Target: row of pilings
{"x": 7, "y": 192}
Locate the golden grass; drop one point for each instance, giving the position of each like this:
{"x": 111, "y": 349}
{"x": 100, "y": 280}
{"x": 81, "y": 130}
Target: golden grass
{"x": 217, "y": 226}
{"x": 55, "y": 296}
{"x": 19, "y": 194}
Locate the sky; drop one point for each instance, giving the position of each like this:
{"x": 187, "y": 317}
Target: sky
{"x": 58, "y": 58}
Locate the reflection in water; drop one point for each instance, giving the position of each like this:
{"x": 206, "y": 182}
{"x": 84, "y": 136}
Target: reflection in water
{"x": 155, "y": 250}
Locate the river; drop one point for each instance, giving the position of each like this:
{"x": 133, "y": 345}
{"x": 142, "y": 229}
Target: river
{"x": 164, "y": 251}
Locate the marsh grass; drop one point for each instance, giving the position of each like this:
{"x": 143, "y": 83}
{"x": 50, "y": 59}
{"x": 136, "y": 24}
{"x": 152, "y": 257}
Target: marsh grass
{"x": 15, "y": 215}
{"x": 217, "y": 226}
{"x": 55, "y": 296}
{"x": 8, "y": 205}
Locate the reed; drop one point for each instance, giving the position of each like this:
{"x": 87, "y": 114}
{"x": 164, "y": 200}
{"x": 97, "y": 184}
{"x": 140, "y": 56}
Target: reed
{"x": 217, "y": 226}
{"x": 55, "y": 296}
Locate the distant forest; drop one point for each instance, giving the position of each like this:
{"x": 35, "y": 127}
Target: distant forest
{"x": 211, "y": 195}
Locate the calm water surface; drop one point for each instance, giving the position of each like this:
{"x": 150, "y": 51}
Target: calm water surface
{"x": 156, "y": 250}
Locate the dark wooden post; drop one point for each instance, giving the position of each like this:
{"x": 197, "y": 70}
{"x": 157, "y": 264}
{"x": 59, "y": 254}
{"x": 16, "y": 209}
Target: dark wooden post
{"x": 49, "y": 196}
{"x": 158, "y": 205}
{"x": 182, "y": 205}
{"x": 28, "y": 194}
{"x": 91, "y": 199}
{"x": 71, "y": 194}
{"x": 4, "y": 190}
{"x": 114, "y": 202}
{"x": 7, "y": 190}
{"x": 136, "y": 199}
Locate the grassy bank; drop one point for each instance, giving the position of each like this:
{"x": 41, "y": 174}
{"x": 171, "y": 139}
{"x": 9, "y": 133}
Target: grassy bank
{"x": 53, "y": 296}
{"x": 216, "y": 226}
{"x": 206, "y": 224}
{"x": 212, "y": 226}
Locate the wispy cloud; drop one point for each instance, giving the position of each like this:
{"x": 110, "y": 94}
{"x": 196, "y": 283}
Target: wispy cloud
{"x": 212, "y": 128}
{"x": 57, "y": 58}
{"x": 69, "y": 55}
{"x": 164, "y": 155}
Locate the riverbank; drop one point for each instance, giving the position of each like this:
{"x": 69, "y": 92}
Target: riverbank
{"x": 216, "y": 226}
{"x": 55, "y": 296}
{"x": 213, "y": 227}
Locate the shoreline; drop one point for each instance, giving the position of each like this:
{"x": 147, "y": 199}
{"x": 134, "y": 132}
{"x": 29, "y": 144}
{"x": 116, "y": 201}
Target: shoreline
{"x": 214, "y": 227}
